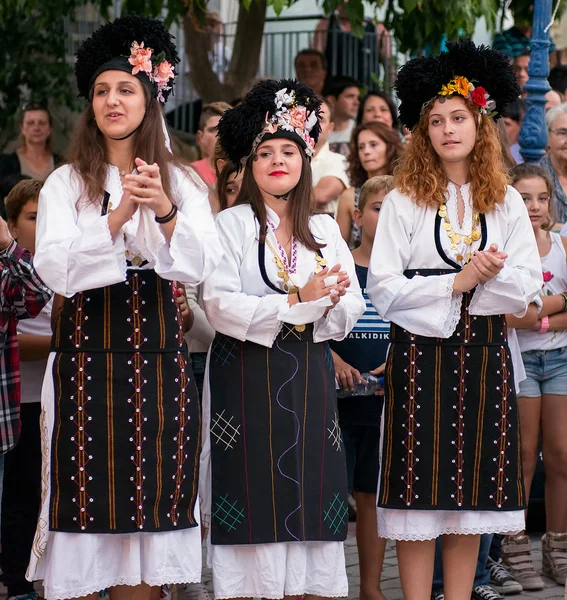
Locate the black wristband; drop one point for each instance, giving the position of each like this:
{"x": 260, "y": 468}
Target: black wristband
{"x": 168, "y": 217}
{"x": 299, "y": 296}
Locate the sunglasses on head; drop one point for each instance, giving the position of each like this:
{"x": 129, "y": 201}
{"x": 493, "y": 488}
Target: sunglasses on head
{"x": 33, "y": 105}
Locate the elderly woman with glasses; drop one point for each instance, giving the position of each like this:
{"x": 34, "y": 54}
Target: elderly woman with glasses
{"x": 556, "y": 160}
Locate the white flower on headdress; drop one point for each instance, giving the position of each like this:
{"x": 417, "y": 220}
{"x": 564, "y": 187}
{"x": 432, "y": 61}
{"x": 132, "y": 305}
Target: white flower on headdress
{"x": 311, "y": 121}
{"x": 283, "y": 98}
{"x": 284, "y": 119}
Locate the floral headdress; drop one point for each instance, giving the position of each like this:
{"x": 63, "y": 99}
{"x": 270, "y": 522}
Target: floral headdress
{"x": 272, "y": 109}
{"x": 292, "y": 117}
{"x": 463, "y": 87}
{"x": 159, "y": 70}
{"x": 427, "y": 78}
{"x": 141, "y": 46}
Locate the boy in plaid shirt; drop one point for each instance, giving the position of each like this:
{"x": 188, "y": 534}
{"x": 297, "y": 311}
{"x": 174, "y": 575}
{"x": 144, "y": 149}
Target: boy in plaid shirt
{"x": 22, "y": 296}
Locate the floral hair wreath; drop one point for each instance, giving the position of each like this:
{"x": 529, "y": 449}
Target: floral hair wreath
{"x": 157, "y": 68}
{"x": 289, "y": 116}
{"x": 461, "y": 86}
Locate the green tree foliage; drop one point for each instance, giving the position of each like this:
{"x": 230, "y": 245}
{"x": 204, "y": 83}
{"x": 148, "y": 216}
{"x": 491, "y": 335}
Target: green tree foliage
{"x": 33, "y": 62}
{"x": 420, "y": 25}
{"x": 32, "y": 58}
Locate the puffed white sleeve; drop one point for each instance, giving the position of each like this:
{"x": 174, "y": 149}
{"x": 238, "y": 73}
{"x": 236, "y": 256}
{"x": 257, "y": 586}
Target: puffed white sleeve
{"x": 201, "y": 331}
{"x": 195, "y": 250}
{"x": 343, "y": 317}
{"x": 423, "y": 305}
{"x": 229, "y": 310}
{"x": 520, "y": 281}
{"x": 71, "y": 257}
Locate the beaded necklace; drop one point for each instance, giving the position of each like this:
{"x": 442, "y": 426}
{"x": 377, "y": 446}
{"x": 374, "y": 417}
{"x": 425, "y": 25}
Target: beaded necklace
{"x": 284, "y": 271}
{"x": 290, "y": 268}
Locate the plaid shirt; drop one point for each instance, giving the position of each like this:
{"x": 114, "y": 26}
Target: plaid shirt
{"x": 22, "y": 296}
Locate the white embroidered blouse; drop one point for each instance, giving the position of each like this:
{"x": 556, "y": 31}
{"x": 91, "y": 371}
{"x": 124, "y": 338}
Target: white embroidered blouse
{"x": 75, "y": 251}
{"x": 238, "y": 301}
{"x": 427, "y": 305}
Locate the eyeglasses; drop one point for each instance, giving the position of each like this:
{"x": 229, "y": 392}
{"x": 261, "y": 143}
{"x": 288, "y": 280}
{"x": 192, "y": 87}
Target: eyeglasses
{"x": 562, "y": 133}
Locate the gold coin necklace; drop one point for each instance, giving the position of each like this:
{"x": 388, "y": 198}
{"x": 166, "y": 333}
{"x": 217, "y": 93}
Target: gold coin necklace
{"x": 285, "y": 270}
{"x": 456, "y": 238}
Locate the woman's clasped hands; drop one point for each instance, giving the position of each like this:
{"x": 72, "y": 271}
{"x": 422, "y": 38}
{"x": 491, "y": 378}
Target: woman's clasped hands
{"x": 483, "y": 266}
{"x": 328, "y": 282}
{"x": 141, "y": 188}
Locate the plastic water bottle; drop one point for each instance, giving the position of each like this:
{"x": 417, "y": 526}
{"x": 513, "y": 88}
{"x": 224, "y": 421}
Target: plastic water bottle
{"x": 369, "y": 385}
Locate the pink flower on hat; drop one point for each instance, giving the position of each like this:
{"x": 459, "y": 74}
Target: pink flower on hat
{"x": 297, "y": 117}
{"x": 163, "y": 73}
{"x": 140, "y": 58}
{"x": 310, "y": 143}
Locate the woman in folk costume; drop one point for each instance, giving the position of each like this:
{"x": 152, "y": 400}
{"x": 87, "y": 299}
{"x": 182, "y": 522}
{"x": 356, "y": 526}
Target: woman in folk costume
{"x": 286, "y": 285}
{"x": 121, "y": 423}
{"x": 454, "y": 252}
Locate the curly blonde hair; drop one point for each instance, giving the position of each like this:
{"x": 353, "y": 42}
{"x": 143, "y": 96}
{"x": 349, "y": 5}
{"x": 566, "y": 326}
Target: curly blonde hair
{"x": 420, "y": 175}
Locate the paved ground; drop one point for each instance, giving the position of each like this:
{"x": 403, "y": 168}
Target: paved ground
{"x": 391, "y": 582}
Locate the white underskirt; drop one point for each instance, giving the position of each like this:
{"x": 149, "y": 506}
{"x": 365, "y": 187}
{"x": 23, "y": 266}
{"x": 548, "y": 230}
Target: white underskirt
{"x": 276, "y": 570}
{"x": 72, "y": 565}
{"x": 78, "y": 564}
{"x": 413, "y": 525}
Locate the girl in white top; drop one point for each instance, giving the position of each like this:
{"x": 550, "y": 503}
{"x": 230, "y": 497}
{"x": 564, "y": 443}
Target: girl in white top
{"x": 542, "y": 400}
{"x": 120, "y": 414}
{"x": 273, "y": 448}
{"x": 454, "y": 251}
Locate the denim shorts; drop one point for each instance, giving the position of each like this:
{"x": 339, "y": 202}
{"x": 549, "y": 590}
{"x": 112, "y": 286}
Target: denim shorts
{"x": 546, "y": 373}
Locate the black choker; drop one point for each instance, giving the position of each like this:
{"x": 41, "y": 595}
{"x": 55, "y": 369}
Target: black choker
{"x": 126, "y": 136}
{"x": 282, "y": 197}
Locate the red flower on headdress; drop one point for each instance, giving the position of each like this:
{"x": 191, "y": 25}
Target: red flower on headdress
{"x": 478, "y": 96}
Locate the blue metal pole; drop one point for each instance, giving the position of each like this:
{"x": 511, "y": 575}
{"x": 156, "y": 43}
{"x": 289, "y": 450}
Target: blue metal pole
{"x": 533, "y": 135}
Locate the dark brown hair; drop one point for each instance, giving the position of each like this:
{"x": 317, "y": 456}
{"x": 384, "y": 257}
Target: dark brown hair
{"x": 19, "y": 196}
{"x": 300, "y": 202}
{"x": 389, "y": 136}
{"x": 87, "y": 152}
{"x": 312, "y": 52}
{"x": 387, "y": 99}
{"x": 222, "y": 183}
{"x": 531, "y": 171}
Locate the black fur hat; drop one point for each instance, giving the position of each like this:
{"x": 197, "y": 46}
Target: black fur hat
{"x": 110, "y": 48}
{"x": 422, "y": 79}
{"x": 271, "y": 109}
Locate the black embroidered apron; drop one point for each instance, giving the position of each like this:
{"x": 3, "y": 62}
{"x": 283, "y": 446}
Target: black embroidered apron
{"x": 278, "y": 462}
{"x": 126, "y": 436}
{"x": 451, "y": 425}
